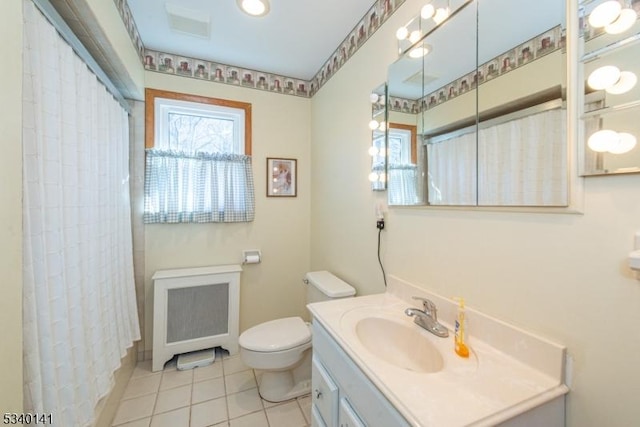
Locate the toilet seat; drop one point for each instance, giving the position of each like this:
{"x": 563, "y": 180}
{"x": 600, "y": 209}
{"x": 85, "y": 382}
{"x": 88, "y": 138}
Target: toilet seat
{"x": 276, "y": 335}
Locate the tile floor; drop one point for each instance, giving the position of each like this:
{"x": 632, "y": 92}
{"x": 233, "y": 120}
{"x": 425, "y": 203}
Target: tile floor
{"x": 222, "y": 394}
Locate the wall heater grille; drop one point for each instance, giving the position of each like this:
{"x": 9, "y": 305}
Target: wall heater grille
{"x": 195, "y": 309}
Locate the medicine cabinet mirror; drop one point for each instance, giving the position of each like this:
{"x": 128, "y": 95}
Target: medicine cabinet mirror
{"x": 487, "y": 103}
{"x": 610, "y": 42}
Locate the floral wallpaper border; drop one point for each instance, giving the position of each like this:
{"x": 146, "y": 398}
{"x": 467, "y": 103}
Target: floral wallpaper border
{"x": 168, "y": 63}
{"x": 521, "y": 55}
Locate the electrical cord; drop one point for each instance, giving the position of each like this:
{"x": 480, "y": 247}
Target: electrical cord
{"x": 380, "y": 225}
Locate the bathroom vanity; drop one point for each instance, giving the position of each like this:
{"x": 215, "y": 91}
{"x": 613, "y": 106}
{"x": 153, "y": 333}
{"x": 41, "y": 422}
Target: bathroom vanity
{"x": 372, "y": 366}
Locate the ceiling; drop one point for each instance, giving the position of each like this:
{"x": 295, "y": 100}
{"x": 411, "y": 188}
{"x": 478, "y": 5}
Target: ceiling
{"x": 294, "y": 39}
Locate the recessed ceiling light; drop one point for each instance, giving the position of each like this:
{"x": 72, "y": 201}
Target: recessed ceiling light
{"x": 254, "y": 7}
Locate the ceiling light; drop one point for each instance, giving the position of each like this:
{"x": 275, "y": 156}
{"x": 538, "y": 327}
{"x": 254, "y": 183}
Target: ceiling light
{"x": 402, "y": 33}
{"x": 419, "y": 51}
{"x": 625, "y": 83}
{"x": 605, "y": 14}
{"x": 625, "y": 20}
{"x": 427, "y": 11}
{"x": 604, "y": 77}
{"x": 254, "y": 7}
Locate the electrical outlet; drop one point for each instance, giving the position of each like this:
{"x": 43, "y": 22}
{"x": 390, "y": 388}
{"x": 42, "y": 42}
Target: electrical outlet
{"x": 380, "y": 224}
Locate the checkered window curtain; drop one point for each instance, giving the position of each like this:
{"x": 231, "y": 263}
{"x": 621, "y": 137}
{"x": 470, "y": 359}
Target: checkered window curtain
{"x": 195, "y": 188}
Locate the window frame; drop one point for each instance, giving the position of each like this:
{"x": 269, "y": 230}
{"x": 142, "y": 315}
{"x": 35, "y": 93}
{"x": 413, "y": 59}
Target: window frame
{"x": 150, "y": 113}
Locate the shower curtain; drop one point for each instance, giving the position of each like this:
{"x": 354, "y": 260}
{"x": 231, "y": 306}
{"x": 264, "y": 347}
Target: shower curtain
{"x": 79, "y": 298}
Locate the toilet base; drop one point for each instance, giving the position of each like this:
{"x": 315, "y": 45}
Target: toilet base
{"x": 278, "y": 386}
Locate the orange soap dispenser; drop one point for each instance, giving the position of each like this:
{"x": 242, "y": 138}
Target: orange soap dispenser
{"x": 460, "y": 347}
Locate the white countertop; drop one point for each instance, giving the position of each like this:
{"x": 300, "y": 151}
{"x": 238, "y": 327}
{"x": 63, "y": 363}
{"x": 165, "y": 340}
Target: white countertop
{"x": 497, "y": 382}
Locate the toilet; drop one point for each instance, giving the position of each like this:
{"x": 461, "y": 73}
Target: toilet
{"x": 281, "y": 348}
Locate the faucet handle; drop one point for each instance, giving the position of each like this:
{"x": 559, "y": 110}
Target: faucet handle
{"x": 428, "y": 307}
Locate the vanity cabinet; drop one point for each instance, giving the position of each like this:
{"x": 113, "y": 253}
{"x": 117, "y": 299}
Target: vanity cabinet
{"x": 342, "y": 396}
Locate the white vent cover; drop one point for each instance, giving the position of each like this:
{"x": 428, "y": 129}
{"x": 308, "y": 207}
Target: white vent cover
{"x": 188, "y": 21}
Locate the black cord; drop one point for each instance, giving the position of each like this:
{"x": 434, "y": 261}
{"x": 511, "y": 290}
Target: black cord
{"x": 384, "y": 276}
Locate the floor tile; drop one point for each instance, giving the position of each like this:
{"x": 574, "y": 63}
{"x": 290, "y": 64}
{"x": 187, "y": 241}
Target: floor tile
{"x": 256, "y": 419}
{"x": 234, "y": 364}
{"x": 171, "y": 379}
{"x": 208, "y": 372}
{"x": 177, "y": 418}
{"x": 208, "y": 413}
{"x": 305, "y": 406}
{"x": 244, "y": 402}
{"x": 142, "y": 385}
{"x": 286, "y": 415}
{"x": 135, "y": 409}
{"x": 240, "y": 381}
{"x": 207, "y": 390}
{"x": 139, "y": 423}
{"x": 173, "y": 398}
{"x": 143, "y": 369}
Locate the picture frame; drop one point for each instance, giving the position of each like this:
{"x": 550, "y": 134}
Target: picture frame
{"x": 282, "y": 177}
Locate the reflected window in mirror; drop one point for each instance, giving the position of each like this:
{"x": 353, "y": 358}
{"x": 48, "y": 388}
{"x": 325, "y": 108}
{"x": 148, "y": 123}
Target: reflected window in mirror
{"x": 403, "y": 169}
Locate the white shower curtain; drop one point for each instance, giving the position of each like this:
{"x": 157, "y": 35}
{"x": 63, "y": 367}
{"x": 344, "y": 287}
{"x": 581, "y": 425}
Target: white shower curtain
{"x": 79, "y": 298}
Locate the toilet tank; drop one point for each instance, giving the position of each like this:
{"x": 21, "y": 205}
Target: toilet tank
{"x": 324, "y": 286}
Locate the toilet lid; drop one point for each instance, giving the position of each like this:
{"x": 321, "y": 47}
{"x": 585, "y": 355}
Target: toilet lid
{"x": 276, "y": 335}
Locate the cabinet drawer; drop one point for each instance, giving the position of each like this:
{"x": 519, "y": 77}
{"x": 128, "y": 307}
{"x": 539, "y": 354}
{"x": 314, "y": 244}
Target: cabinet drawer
{"x": 324, "y": 393}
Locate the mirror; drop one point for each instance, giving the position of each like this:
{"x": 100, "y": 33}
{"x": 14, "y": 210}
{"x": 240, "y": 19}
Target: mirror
{"x": 610, "y": 35}
{"x": 378, "y": 148}
{"x": 487, "y": 91}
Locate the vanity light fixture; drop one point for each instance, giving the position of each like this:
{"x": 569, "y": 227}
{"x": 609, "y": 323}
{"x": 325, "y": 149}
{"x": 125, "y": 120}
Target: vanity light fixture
{"x": 625, "y": 20}
{"x": 373, "y": 124}
{"x": 402, "y": 33}
{"x": 604, "y": 14}
{"x": 611, "y": 79}
{"x": 374, "y": 97}
{"x": 441, "y": 14}
{"x": 612, "y": 17}
{"x": 254, "y": 7}
{"x": 610, "y": 141}
{"x": 415, "y": 36}
{"x": 427, "y": 11}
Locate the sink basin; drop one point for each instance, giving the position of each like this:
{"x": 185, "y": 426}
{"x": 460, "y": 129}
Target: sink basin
{"x": 398, "y": 344}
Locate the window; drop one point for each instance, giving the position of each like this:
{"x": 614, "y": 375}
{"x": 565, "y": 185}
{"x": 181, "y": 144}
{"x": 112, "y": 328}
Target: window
{"x": 198, "y": 165}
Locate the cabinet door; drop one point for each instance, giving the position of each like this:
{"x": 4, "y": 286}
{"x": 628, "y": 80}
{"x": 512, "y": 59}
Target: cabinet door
{"x": 348, "y": 416}
{"x": 324, "y": 393}
{"x": 316, "y": 419}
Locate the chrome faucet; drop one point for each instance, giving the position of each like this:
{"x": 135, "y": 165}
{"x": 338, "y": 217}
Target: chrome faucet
{"x": 427, "y": 318}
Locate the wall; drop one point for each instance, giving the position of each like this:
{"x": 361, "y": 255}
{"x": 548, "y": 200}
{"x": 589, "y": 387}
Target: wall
{"x": 559, "y": 275}
{"x": 272, "y": 288}
{"x": 11, "y": 213}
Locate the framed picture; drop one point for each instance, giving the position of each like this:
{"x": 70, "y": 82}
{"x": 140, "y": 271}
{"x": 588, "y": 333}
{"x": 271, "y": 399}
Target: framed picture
{"x": 282, "y": 176}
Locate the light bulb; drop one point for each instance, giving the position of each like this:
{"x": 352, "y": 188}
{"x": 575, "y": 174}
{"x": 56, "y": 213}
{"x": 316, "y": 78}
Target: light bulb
{"x": 382, "y": 177}
{"x": 373, "y": 124}
{"x": 604, "y": 77}
{"x": 604, "y": 14}
{"x": 625, "y": 20}
{"x": 427, "y": 11}
{"x": 414, "y": 36}
{"x": 442, "y": 13}
{"x": 624, "y": 144}
{"x": 603, "y": 140}
{"x": 419, "y": 52}
{"x": 625, "y": 83}
{"x": 374, "y": 98}
{"x": 254, "y": 7}
{"x": 373, "y": 177}
{"x": 373, "y": 151}
{"x": 402, "y": 33}
{"x": 382, "y": 127}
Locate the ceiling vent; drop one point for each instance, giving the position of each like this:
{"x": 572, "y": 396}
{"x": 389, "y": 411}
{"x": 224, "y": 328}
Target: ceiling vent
{"x": 188, "y": 21}
{"x": 417, "y": 79}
